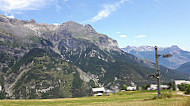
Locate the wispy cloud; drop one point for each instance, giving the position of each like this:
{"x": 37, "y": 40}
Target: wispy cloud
{"x": 123, "y": 36}
{"x": 57, "y": 5}
{"x": 140, "y": 36}
{"x": 106, "y": 11}
{"x": 118, "y": 32}
{"x": 10, "y": 7}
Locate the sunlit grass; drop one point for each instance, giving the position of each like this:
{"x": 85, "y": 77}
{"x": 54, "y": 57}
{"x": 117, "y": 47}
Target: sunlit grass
{"x": 135, "y": 98}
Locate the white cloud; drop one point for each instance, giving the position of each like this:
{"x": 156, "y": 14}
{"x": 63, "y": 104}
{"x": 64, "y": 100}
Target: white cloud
{"x": 18, "y": 6}
{"x": 123, "y": 36}
{"x": 140, "y": 36}
{"x": 107, "y": 10}
{"x": 118, "y": 32}
{"x": 11, "y": 16}
{"x": 56, "y": 24}
{"x": 11, "y": 5}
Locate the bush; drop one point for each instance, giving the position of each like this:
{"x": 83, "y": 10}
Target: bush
{"x": 182, "y": 87}
{"x": 144, "y": 87}
{"x": 163, "y": 96}
{"x": 172, "y": 85}
{"x": 166, "y": 95}
{"x": 124, "y": 87}
{"x": 139, "y": 88}
{"x": 187, "y": 89}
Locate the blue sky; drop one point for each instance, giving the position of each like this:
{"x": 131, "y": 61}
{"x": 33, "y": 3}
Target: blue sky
{"x": 130, "y": 22}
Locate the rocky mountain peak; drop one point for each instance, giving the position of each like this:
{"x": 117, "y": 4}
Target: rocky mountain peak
{"x": 24, "y": 28}
{"x": 32, "y": 21}
{"x": 179, "y": 56}
{"x": 3, "y": 18}
{"x": 6, "y": 19}
{"x": 176, "y": 48}
{"x": 173, "y": 48}
{"x": 72, "y": 24}
{"x": 140, "y": 48}
{"x": 90, "y": 28}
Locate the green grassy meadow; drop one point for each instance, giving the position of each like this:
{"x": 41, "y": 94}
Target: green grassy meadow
{"x": 133, "y": 98}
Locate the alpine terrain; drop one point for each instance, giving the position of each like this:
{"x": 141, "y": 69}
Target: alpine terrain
{"x": 67, "y": 60}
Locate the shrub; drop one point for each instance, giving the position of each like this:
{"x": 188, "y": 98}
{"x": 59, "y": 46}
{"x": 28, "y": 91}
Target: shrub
{"x": 187, "y": 89}
{"x": 166, "y": 95}
{"x": 172, "y": 85}
{"x": 163, "y": 96}
{"x": 144, "y": 87}
{"x": 182, "y": 87}
{"x": 124, "y": 87}
{"x": 139, "y": 88}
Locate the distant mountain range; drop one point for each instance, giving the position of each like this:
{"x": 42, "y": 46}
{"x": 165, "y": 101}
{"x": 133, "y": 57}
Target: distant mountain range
{"x": 148, "y": 52}
{"x": 185, "y": 68}
{"x": 67, "y": 60}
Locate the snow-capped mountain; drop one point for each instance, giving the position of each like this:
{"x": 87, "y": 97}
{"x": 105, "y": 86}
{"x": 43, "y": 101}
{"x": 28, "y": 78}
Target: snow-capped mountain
{"x": 147, "y": 52}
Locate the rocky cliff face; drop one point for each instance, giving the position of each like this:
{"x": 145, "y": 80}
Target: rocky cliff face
{"x": 52, "y": 61}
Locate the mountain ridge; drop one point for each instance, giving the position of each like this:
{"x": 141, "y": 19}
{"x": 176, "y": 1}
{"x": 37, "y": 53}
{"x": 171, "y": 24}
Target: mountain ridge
{"x": 185, "y": 68}
{"x": 179, "y": 56}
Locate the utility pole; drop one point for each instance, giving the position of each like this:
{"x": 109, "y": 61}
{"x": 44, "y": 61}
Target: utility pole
{"x": 157, "y": 74}
{"x": 158, "y": 71}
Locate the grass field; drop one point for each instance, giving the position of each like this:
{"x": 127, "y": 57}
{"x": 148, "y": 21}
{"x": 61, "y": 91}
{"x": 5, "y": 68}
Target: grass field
{"x": 135, "y": 98}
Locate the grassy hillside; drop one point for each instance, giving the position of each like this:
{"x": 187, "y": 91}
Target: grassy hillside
{"x": 41, "y": 74}
{"x": 136, "y": 98}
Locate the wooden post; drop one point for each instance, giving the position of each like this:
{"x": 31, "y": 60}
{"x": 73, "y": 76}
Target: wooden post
{"x": 158, "y": 71}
